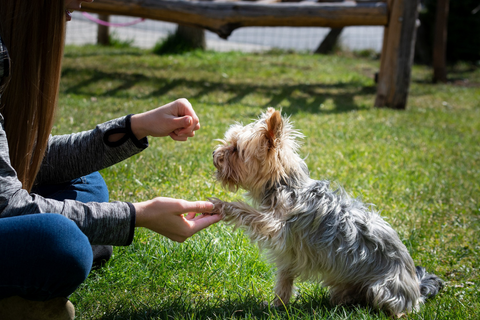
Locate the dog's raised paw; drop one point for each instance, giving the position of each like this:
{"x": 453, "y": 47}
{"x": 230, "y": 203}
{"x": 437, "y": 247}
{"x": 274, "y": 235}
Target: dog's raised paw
{"x": 218, "y": 206}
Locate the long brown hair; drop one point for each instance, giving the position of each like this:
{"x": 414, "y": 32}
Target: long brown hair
{"x": 33, "y": 32}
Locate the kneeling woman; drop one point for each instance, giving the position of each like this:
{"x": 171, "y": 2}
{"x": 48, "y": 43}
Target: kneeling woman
{"x": 54, "y": 204}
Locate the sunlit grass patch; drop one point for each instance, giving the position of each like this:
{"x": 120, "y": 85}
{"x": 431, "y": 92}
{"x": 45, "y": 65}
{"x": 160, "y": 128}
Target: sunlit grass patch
{"x": 420, "y": 167}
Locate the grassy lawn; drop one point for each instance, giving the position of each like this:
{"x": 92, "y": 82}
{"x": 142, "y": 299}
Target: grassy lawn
{"x": 421, "y": 167}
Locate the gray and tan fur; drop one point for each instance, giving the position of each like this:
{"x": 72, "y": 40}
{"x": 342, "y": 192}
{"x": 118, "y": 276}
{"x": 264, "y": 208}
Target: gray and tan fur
{"x": 309, "y": 231}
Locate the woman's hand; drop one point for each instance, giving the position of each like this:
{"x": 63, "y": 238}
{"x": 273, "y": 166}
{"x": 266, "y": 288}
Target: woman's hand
{"x": 174, "y": 218}
{"x": 176, "y": 119}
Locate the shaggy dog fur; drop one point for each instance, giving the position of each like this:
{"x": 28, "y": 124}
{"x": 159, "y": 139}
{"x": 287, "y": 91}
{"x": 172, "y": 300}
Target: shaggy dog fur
{"x": 310, "y": 231}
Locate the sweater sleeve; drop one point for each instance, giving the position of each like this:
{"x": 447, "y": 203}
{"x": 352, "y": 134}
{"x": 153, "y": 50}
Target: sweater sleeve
{"x": 75, "y": 155}
{"x": 103, "y": 223}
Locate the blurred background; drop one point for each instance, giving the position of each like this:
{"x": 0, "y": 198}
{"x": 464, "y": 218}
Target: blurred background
{"x": 462, "y": 21}
{"x": 147, "y": 33}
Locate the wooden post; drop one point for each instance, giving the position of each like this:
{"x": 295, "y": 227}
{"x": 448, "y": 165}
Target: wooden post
{"x": 440, "y": 42}
{"x": 383, "y": 54}
{"x": 328, "y": 44}
{"x": 397, "y": 60}
{"x": 103, "y": 32}
{"x": 193, "y": 35}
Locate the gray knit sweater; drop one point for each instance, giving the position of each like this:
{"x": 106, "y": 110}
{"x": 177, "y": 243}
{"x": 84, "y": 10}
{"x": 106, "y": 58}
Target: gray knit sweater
{"x": 69, "y": 157}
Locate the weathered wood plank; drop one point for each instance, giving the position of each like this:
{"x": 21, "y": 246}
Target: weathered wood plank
{"x": 440, "y": 42}
{"x": 103, "y": 32}
{"x": 224, "y": 17}
{"x": 396, "y": 65}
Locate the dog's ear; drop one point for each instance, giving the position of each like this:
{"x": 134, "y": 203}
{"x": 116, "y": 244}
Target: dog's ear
{"x": 274, "y": 127}
{"x": 270, "y": 111}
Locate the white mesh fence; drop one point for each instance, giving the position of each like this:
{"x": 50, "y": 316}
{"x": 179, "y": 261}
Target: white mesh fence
{"x": 146, "y": 33}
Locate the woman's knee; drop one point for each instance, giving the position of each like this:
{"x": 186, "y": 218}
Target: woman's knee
{"x": 91, "y": 188}
{"x": 99, "y": 186}
{"x": 45, "y": 256}
{"x": 66, "y": 247}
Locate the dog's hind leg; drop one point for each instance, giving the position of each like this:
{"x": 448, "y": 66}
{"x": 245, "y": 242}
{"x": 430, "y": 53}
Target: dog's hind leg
{"x": 284, "y": 287}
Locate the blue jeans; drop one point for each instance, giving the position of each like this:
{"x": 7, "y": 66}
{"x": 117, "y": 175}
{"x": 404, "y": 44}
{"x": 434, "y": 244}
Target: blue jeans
{"x": 44, "y": 256}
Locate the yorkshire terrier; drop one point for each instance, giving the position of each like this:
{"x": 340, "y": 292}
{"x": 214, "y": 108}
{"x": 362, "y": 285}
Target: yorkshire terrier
{"x": 310, "y": 231}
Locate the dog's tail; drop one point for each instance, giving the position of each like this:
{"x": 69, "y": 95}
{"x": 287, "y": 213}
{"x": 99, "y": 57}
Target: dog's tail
{"x": 430, "y": 284}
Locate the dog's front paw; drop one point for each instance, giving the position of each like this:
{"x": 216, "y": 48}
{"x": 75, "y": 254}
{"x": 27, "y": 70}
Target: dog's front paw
{"x": 219, "y": 206}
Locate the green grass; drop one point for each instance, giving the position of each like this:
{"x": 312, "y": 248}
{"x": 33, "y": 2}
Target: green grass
{"x": 421, "y": 167}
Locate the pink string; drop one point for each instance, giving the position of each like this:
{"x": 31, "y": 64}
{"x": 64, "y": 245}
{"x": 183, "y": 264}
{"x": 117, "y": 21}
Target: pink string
{"x": 108, "y": 24}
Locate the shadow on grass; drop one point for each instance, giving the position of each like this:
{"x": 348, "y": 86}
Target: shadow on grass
{"x": 459, "y": 75}
{"x": 299, "y": 97}
{"x": 86, "y": 51}
{"x": 315, "y": 306}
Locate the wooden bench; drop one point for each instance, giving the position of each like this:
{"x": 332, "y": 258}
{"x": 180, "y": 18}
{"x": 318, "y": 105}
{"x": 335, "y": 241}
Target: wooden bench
{"x": 223, "y": 17}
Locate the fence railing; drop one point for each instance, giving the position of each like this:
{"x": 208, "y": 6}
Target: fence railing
{"x": 222, "y": 17}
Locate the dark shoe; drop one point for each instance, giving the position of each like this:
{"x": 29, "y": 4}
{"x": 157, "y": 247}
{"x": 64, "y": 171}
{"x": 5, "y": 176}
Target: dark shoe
{"x": 17, "y": 308}
{"x": 101, "y": 254}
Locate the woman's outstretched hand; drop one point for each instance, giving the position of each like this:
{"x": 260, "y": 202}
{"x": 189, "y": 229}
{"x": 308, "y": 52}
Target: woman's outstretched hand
{"x": 174, "y": 218}
{"x": 176, "y": 119}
